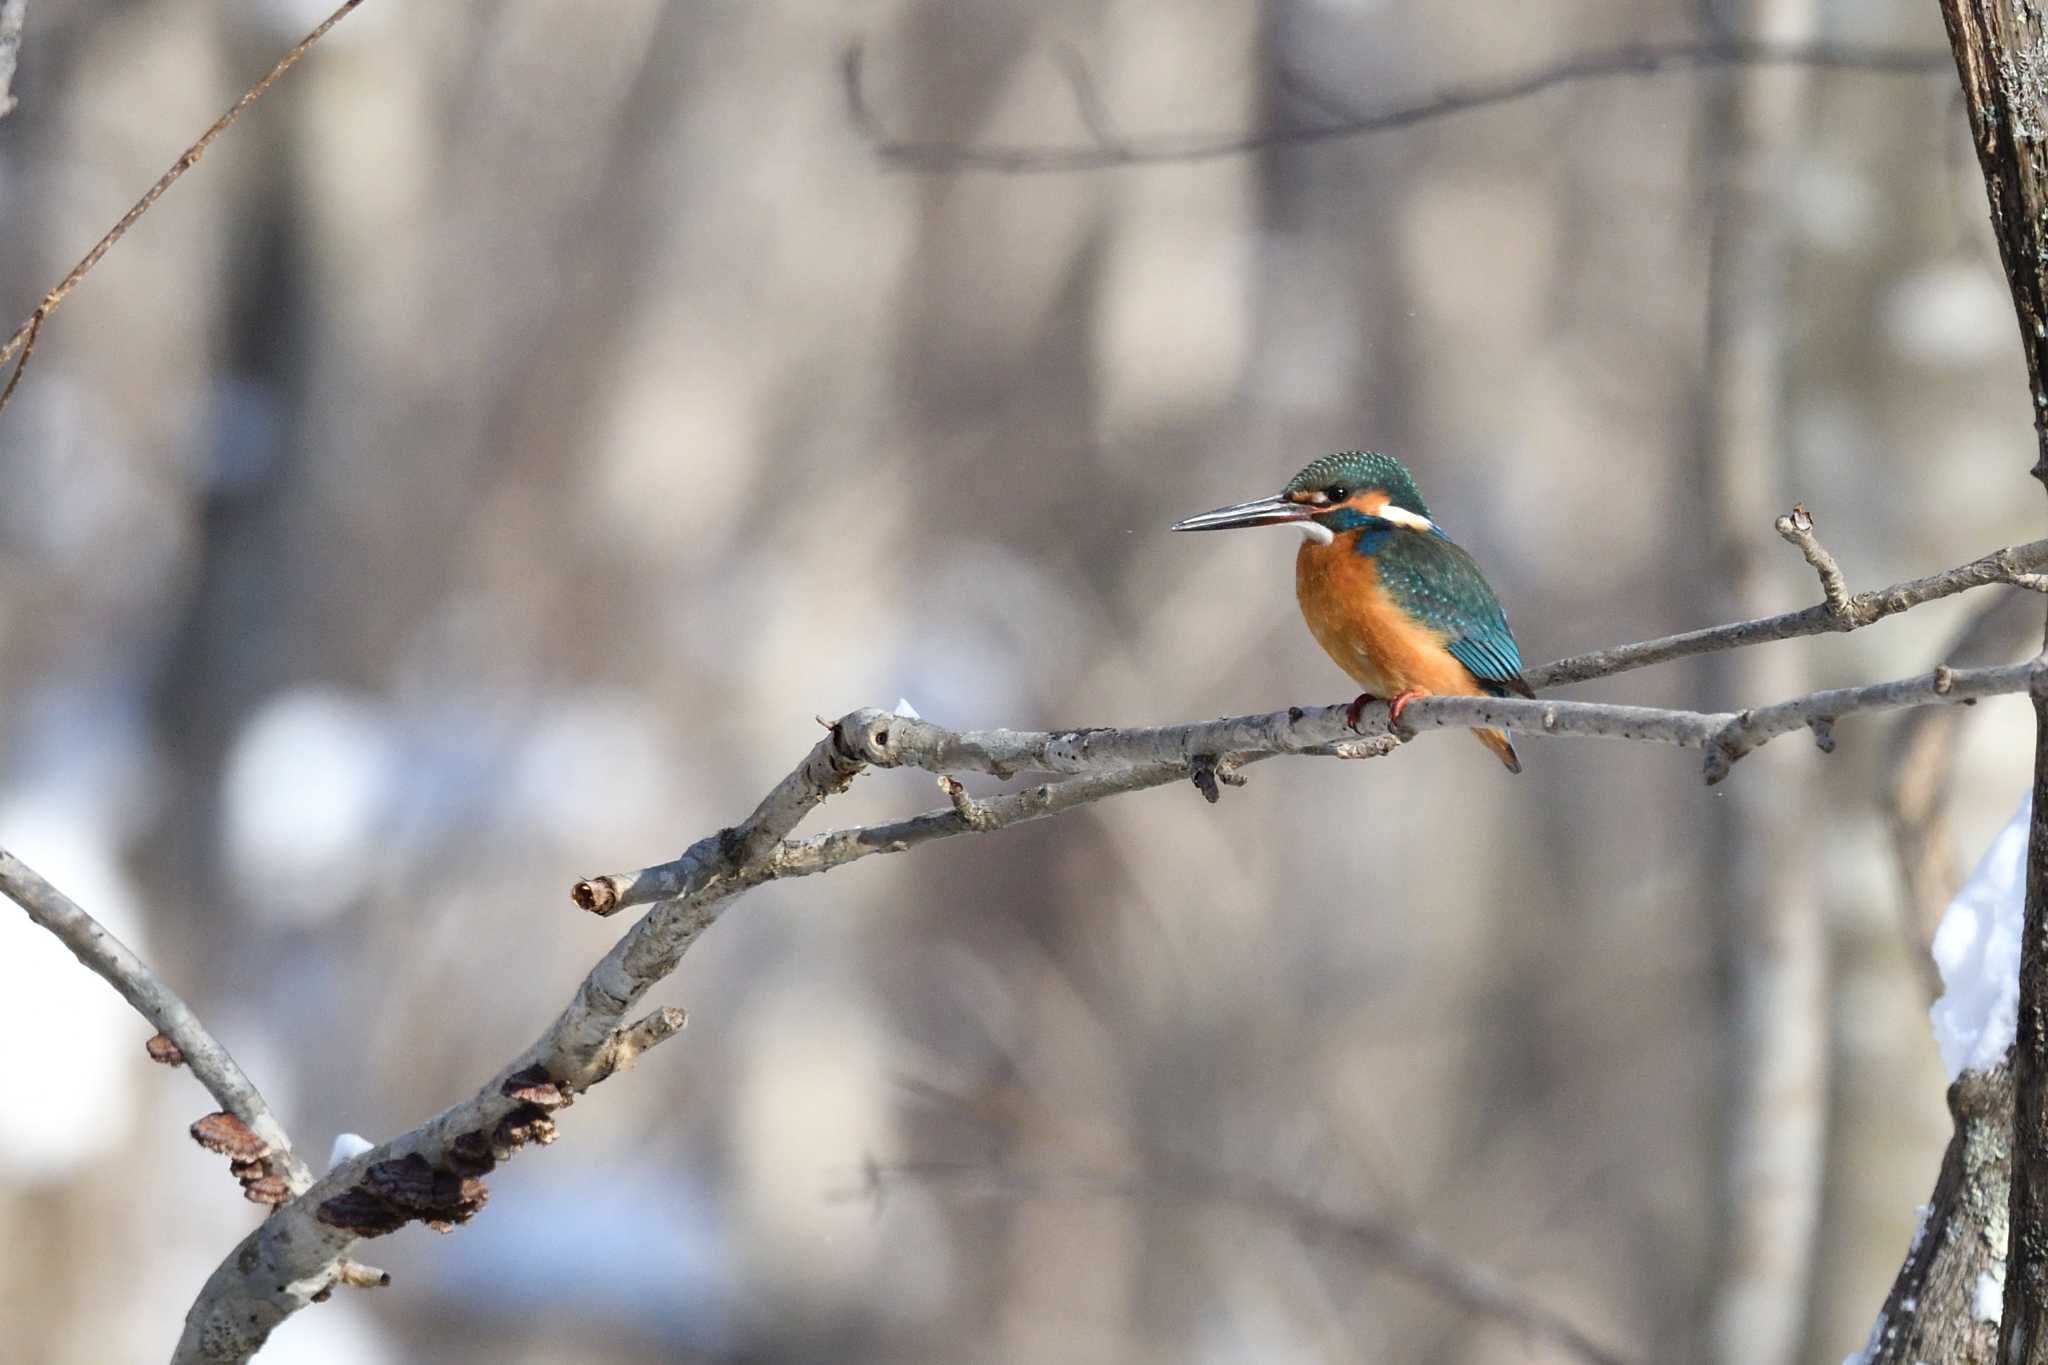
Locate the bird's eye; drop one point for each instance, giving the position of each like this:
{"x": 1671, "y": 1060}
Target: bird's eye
{"x": 1337, "y": 492}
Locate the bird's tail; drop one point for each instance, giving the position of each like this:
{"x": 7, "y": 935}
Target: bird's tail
{"x": 1503, "y": 748}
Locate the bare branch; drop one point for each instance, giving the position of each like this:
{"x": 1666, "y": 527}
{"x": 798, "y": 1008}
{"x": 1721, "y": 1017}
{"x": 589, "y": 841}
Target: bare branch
{"x": 970, "y": 811}
{"x": 1102, "y": 762}
{"x": 297, "y": 1255}
{"x": 658, "y": 1027}
{"x": 13, "y": 14}
{"x": 1088, "y": 101}
{"x": 2009, "y": 566}
{"x": 1797, "y": 528}
{"x": 433, "y": 1172}
{"x": 1323, "y": 102}
{"x": 113, "y": 961}
{"x": 1478, "y": 1289}
{"x": 1752, "y": 728}
{"x": 829, "y": 768}
{"x": 24, "y": 338}
{"x": 1646, "y": 59}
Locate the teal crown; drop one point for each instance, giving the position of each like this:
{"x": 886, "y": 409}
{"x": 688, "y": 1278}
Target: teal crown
{"x": 1358, "y": 470}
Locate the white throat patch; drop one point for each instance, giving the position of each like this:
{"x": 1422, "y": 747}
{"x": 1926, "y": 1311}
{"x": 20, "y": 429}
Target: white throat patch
{"x": 1401, "y": 516}
{"x": 1316, "y": 532}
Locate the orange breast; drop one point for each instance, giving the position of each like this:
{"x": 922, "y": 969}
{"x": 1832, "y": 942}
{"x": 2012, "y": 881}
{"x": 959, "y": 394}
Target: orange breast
{"x": 1358, "y": 625}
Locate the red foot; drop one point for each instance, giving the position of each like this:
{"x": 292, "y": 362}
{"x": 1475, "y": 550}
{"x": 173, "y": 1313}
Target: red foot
{"x": 1401, "y": 702}
{"x": 1358, "y": 705}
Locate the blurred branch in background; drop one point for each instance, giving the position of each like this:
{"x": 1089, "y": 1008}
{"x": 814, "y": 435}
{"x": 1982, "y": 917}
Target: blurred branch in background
{"x": 13, "y": 14}
{"x": 1108, "y": 152}
{"x": 1919, "y": 770}
{"x": 1477, "y": 1289}
{"x": 23, "y": 341}
{"x": 1087, "y": 1157}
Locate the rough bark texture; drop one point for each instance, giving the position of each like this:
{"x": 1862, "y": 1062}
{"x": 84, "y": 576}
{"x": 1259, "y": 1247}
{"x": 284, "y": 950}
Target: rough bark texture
{"x": 2025, "y": 1324}
{"x": 1999, "y": 48}
{"x": 1931, "y": 1313}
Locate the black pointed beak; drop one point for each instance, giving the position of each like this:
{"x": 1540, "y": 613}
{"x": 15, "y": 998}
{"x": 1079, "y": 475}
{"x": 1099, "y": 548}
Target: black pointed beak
{"x": 1258, "y": 512}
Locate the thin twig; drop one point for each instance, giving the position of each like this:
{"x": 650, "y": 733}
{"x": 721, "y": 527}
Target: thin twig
{"x": 1318, "y": 99}
{"x": 1646, "y": 59}
{"x": 24, "y": 338}
{"x": 1088, "y": 101}
{"x": 113, "y": 961}
{"x": 1797, "y": 529}
{"x": 2009, "y": 566}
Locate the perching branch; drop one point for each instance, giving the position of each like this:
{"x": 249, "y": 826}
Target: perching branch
{"x": 1105, "y": 152}
{"x": 1149, "y": 758}
{"x": 434, "y": 1173}
{"x": 1107, "y": 762}
{"x": 24, "y": 338}
{"x": 112, "y": 960}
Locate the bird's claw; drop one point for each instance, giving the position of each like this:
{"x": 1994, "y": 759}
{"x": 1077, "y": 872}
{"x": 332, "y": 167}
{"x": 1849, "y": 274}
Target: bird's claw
{"x": 1394, "y": 708}
{"x": 1357, "y": 708}
{"x": 1400, "y": 703}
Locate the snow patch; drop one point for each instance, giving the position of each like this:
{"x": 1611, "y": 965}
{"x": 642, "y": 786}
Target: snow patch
{"x": 1989, "y": 1300}
{"x": 347, "y": 1147}
{"x": 85, "y": 1101}
{"x": 1870, "y": 1347}
{"x": 308, "y": 789}
{"x": 1977, "y": 948}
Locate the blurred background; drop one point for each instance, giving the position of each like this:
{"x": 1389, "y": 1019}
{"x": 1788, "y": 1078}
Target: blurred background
{"x": 479, "y": 472}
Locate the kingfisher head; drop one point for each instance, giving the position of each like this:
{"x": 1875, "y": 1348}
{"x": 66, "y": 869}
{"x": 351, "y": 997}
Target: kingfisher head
{"x": 1348, "y": 491}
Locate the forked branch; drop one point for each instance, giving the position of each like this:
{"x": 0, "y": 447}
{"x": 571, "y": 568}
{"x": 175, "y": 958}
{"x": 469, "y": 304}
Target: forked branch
{"x": 434, "y": 1173}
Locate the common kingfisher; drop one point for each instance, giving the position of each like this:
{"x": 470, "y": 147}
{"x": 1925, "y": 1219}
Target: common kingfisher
{"x": 1401, "y": 607}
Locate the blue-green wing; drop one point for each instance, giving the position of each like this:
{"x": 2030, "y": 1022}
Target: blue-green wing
{"x": 1432, "y": 579}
